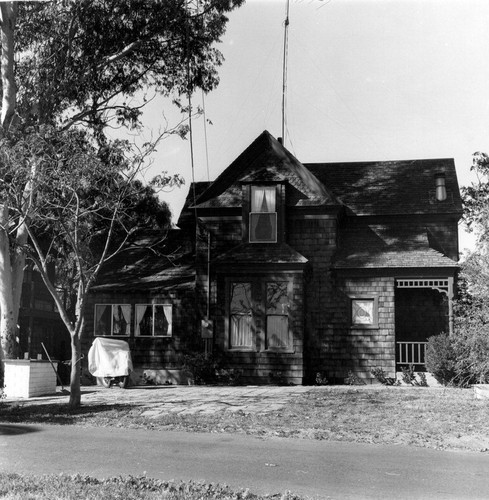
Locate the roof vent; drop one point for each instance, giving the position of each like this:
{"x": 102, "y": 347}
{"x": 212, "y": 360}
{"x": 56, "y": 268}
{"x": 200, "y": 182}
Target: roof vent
{"x": 441, "y": 188}
{"x": 279, "y": 139}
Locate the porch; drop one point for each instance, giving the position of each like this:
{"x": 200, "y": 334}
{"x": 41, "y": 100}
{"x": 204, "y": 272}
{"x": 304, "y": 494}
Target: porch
{"x": 423, "y": 309}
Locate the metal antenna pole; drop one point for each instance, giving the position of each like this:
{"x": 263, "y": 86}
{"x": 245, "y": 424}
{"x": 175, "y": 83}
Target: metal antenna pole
{"x": 284, "y": 68}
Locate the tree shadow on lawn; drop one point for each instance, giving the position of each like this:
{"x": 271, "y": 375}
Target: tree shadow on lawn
{"x": 61, "y": 414}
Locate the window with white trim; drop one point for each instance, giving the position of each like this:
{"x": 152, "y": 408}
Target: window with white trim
{"x": 112, "y": 320}
{"x": 263, "y": 214}
{"x": 153, "y": 320}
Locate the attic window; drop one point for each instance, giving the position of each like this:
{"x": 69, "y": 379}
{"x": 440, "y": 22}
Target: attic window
{"x": 263, "y": 215}
{"x": 440, "y": 187}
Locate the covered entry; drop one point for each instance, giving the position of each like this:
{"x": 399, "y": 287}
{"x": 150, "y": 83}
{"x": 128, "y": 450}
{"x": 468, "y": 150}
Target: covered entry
{"x": 423, "y": 308}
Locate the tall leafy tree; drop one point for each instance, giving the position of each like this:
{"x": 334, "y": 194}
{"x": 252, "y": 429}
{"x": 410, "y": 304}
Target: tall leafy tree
{"x": 86, "y": 207}
{"x": 88, "y": 64}
{"x": 475, "y": 197}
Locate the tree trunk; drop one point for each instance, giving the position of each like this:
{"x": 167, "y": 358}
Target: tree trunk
{"x": 75, "y": 385}
{"x": 8, "y": 12}
{"x": 8, "y": 327}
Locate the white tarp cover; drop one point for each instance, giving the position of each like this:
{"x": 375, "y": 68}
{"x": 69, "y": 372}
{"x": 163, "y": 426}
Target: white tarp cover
{"x": 109, "y": 358}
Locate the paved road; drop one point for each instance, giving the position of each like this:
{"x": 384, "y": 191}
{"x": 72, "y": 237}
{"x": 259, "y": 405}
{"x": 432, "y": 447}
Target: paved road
{"x": 315, "y": 468}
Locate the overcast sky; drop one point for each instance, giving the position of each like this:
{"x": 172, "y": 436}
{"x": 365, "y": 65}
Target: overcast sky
{"x": 367, "y": 80}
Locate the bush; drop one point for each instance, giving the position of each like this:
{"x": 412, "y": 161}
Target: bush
{"x": 353, "y": 379}
{"x": 440, "y": 358}
{"x": 409, "y": 377}
{"x": 210, "y": 369}
{"x": 472, "y": 351}
{"x": 382, "y": 377}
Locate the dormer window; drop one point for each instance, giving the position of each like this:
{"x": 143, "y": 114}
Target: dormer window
{"x": 263, "y": 214}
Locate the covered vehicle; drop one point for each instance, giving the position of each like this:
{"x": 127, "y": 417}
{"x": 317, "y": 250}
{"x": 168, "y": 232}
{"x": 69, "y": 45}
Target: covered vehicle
{"x": 109, "y": 360}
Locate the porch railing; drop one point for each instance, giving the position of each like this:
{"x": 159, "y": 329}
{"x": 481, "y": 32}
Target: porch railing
{"x": 411, "y": 353}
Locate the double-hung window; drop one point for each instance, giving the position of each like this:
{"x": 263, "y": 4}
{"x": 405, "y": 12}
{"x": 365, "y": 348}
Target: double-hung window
{"x": 153, "y": 320}
{"x": 263, "y": 214}
{"x": 112, "y": 319}
{"x": 259, "y": 315}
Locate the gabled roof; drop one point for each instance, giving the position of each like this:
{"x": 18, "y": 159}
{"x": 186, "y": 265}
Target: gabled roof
{"x": 154, "y": 262}
{"x": 266, "y": 159}
{"x": 389, "y": 246}
{"x": 391, "y": 187}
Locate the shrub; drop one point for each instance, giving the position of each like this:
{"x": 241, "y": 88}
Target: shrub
{"x": 440, "y": 358}
{"x": 209, "y": 369}
{"x": 204, "y": 369}
{"x": 321, "y": 379}
{"x": 382, "y": 377}
{"x": 472, "y": 351}
{"x": 353, "y": 379}
{"x": 409, "y": 377}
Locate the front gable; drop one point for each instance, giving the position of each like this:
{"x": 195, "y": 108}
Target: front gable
{"x": 265, "y": 160}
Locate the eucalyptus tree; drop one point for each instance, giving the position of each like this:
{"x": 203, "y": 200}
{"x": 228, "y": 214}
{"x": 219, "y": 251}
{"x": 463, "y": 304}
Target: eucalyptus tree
{"x": 90, "y": 65}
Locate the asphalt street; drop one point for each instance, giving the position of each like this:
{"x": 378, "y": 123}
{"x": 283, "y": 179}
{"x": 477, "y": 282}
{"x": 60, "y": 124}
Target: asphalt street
{"x": 318, "y": 469}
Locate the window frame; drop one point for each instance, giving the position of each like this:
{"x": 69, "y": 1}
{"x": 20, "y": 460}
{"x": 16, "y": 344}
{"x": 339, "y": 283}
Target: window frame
{"x": 229, "y": 286}
{"x": 165, "y": 306}
{"x": 374, "y": 299}
{"x": 273, "y": 214}
{"x": 259, "y": 314}
{"x": 112, "y": 305}
{"x": 290, "y": 340}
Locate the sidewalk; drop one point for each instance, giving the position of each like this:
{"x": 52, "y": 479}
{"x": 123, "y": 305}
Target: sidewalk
{"x": 184, "y": 400}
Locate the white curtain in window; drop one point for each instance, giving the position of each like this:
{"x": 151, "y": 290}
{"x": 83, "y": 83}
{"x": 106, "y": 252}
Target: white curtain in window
{"x": 126, "y": 313}
{"x": 241, "y": 330}
{"x": 168, "y": 314}
{"x": 263, "y": 199}
{"x": 140, "y": 312}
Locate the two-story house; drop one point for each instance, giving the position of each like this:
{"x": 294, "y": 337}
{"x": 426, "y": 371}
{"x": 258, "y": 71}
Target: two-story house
{"x": 296, "y": 268}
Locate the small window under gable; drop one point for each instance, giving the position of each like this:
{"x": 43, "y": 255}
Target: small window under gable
{"x": 263, "y": 214}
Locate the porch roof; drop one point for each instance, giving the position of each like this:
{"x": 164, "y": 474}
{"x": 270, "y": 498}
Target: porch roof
{"x": 262, "y": 253}
{"x": 151, "y": 263}
{"x": 389, "y": 246}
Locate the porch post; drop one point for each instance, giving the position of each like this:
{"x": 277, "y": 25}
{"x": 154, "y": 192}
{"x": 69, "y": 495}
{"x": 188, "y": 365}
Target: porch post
{"x": 450, "y": 306}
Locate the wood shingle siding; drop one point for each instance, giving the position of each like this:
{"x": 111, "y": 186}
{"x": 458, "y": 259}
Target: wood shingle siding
{"x": 344, "y": 234}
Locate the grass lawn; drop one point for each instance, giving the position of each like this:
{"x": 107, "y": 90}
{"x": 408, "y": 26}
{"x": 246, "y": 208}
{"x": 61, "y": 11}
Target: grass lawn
{"x": 449, "y": 419}
{"x": 21, "y": 487}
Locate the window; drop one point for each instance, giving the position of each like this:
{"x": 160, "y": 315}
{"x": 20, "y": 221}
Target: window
{"x": 364, "y": 312}
{"x": 277, "y": 311}
{"x": 153, "y": 320}
{"x": 259, "y": 315}
{"x": 112, "y": 319}
{"x": 263, "y": 215}
{"x": 240, "y": 316}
